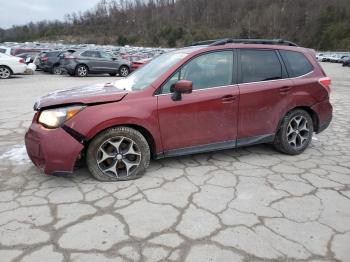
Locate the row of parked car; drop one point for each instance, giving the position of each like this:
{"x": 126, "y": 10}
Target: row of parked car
{"x": 343, "y": 59}
{"x": 79, "y": 61}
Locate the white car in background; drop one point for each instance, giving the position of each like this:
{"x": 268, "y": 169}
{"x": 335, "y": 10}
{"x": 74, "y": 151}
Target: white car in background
{"x": 5, "y": 50}
{"x": 11, "y": 65}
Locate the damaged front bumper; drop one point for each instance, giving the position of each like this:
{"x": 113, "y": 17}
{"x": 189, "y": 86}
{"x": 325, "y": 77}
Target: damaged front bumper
{"x": 53, "y": 150}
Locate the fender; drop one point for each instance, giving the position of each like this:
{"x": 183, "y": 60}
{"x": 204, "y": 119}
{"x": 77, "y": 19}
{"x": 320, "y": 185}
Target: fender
{"x": 141, "y": 112}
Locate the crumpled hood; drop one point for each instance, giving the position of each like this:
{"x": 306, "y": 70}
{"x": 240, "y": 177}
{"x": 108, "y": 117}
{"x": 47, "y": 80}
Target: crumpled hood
{"x": 92, "y": 94}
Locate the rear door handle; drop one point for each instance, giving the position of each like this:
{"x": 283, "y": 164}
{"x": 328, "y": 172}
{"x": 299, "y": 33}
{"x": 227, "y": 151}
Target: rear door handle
{"x": 228, "y": 98}
{"x": 285, "y": 89}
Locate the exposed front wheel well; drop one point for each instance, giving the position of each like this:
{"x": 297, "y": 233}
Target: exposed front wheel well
{"x": 147, "y": 135}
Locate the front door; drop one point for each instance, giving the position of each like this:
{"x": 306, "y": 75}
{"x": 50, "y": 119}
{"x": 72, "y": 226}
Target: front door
{"x": 206, "y": 119}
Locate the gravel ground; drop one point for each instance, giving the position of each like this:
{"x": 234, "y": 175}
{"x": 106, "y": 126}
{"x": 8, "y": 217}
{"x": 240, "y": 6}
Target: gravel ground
{"x": 249, "y": 204}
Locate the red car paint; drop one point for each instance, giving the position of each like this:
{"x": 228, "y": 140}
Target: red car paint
{"x": 233, "y": 115}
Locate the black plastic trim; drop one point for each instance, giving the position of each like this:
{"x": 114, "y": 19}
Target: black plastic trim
{"x": 76, "y": 135}
{"x": 218, "y": 146}
{"x": 255, "y": 140}
{"x": 324, "y": 125}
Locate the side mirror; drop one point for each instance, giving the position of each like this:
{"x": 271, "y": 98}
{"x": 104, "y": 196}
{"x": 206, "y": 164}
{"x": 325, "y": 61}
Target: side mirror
{"x": 179, "y": 88}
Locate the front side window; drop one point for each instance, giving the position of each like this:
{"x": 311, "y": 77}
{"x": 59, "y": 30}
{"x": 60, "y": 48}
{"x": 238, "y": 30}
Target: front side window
{"x": 259, "y": 65}
{"x": 206, "y": 71}
{"x": 296, "y": 63}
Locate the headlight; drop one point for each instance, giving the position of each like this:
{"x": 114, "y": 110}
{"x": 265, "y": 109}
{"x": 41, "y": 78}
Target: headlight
{"x": 53, "y": 118}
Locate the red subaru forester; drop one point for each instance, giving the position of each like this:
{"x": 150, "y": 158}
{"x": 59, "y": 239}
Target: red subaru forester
{"x": 196, "y": 99}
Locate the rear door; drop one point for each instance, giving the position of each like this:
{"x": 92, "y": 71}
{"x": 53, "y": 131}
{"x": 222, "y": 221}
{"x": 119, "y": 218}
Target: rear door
{"x": 107, "y": 63}
{"x": 264, "y": 94}
{"x": 206, "y": 119}
{"x": 91, "y": 58}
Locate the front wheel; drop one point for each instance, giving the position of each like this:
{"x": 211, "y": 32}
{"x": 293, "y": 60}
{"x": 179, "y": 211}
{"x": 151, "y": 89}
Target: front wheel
{"x": 81, "y": 71}
{"x": 117, "y": 154}
{"x": 124, "y": 71}
{"x": 5, "y": 72}
{"x": 295, "y": 132}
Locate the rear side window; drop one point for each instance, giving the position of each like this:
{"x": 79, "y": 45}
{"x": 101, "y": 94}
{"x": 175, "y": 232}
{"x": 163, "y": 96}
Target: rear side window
{"x": 93, "y": 54}
{"x": 52, "y": 54}
{"x": 2, "y": 50}
{"x": 296, "y": 63}
{"x": 259, "y": 65}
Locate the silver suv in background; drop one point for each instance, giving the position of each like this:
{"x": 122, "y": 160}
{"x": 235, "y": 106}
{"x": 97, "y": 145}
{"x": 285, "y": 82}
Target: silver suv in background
{"x": 84, "y": 62}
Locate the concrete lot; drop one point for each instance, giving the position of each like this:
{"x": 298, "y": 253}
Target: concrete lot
{"x": 250, "y": 204}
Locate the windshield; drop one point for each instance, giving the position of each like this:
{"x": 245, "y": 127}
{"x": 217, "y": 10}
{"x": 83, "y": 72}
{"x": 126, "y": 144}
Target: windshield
{"x": 147, "y": 74}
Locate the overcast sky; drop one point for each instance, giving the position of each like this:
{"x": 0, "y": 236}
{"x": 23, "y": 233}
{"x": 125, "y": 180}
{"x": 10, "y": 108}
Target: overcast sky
{"x": 19, "y": 12}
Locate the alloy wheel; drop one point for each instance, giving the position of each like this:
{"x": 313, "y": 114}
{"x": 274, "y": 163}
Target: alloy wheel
{"x": 124, "y": 71}
{"x": 82, "y": 71}
{"x": 298, "y": 132}
{"x": 4, "y": 73}
{"x": 118, "y": 156}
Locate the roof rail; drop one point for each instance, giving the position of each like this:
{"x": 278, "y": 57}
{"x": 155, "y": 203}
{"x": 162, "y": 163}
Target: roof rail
{"x": 206, "y": 42}
{"x": 245, "y": 41}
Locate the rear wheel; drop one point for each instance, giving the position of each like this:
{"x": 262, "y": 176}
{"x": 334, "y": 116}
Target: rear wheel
{"x": 81, "y": 71}
{"x": 295, "y": 132}
{"x": 5, "y": 72}
{"x": 56, "y": 70}
{"x": 119, "y": 153}
{"x": 124, "y": 71}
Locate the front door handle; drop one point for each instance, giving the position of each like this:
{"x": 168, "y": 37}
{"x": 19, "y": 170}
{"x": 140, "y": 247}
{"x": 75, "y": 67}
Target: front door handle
{"x": 228, "y": 98}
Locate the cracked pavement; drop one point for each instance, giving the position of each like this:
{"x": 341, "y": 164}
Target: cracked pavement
{"x": 247, "y": 204}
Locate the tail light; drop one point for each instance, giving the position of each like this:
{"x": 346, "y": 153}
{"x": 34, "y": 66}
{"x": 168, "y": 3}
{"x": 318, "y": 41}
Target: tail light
{"x": 326, "y": 83}
{"x": 22, "y": 61}
{"x": 44, "y": 59}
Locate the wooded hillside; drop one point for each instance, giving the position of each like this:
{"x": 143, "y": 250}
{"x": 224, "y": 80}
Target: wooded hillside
{"x": 320, "y": 24}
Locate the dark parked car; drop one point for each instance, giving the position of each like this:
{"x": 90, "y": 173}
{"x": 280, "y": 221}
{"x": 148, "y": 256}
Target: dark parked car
{"x": 50, "y": 62}
{"x": 196, "y": 99}
{"x": 346, "y": 61}
{"x": 85, "y": 62}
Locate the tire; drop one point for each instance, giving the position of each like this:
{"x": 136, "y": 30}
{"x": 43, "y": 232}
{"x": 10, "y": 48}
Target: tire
{"x": 124, "y": 71}
{"x": 295, "y": 132}
{"x": 56, "y": 70}
{"x": 110, "y": 153}
{"x": 5, "y": 72}
{"x": 112, "y": 74}
{"x": 81, "y": 71}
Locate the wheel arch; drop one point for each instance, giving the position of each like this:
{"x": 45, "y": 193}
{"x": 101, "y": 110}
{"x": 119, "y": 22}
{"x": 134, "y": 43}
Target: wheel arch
{"x": 144, "y": 131}
{"x": 7, "y": 68}
{"x": 80, "y": 64}
{"x": 129, "y": 67}
{"x": 312, "y": 113}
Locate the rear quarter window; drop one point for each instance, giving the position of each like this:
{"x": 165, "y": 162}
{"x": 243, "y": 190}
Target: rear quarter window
{"x": 297, "y": 64}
